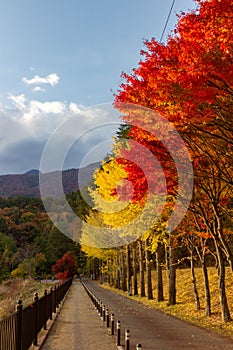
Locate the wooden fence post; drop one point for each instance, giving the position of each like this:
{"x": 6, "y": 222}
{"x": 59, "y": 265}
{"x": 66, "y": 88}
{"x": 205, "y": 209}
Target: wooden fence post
{"x": 19, "y": 321}
{"x": 36, "y": 298}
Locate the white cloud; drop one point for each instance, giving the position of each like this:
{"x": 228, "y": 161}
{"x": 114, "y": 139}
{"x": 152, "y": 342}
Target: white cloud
{"x": 19, "y": 101}
{"x": 75, "y": 108}
{"x": 54, "y": 107}
{"x": 30, "y": 109}
{"x": 26, "y": 125}
{"x": 38, "y": 89}
{"x": 51, "y": 79}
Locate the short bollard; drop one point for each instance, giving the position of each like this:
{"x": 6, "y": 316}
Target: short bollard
{"x": 103, "y": 313}
{"x": 112, "y": 324}
{"x": 118, "y": 333}
{"x": 127, "y": 339}
{"x": 138, "y": 347}
{"x": 107, "y": 318}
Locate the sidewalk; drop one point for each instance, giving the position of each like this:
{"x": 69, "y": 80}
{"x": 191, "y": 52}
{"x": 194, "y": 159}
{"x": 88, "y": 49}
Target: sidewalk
{"x": 78, "y": 326}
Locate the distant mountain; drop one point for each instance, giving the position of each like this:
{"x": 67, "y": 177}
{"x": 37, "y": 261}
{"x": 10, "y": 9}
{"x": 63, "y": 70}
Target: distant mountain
{"x": 27, "y": 184}
{"x": 33, "y": 172}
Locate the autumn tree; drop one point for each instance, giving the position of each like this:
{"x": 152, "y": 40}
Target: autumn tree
{"x": 189, "y": 81}
{"x": 66, "y": 267}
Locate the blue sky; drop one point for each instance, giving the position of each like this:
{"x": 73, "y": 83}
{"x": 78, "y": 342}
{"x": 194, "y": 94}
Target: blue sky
{"x": 58, "y": 58}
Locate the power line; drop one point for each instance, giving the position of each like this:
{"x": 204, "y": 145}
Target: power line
{"x": 168, "y": 17}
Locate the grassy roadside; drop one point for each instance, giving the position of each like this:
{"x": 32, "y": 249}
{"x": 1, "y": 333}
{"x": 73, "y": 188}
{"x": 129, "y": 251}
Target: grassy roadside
{"x": 14, "y": 289}
{"x": 185, "y": 307}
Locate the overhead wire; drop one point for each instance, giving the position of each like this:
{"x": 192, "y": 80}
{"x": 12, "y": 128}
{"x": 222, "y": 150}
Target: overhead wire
{"x": 167, "y": 20}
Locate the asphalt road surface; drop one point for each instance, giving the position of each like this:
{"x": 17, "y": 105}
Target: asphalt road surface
{"x": 154, "y": 329}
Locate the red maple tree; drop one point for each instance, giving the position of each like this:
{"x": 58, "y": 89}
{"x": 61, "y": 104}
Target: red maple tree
{"x": 66, "y": 267}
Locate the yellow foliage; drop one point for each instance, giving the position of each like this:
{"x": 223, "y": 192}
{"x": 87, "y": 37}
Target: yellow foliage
{"x": 99, "y": 253}
{"x": 114, "y": 222}
{"x": 108, "y": 177}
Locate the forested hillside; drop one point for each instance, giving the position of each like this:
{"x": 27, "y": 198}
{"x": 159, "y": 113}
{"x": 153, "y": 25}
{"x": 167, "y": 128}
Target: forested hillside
{"x": 29, "y": 242}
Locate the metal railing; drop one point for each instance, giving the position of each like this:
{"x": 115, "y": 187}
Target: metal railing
{"x": 20, "y": 330}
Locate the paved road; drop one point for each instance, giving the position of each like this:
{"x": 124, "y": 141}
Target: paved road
{"x": 78, "y": 326}
{"x": 155, "y": 330}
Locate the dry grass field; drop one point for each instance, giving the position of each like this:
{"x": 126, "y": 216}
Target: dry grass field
{"x": 14, "y": 289}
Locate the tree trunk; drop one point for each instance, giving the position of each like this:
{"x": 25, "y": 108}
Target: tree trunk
{"x": 218, "y": 232}
{"x": 110, "y": 267}
{"x": 198, "y": 306}
{"x": 221, "y": 283}
{"x": 117, "y": 274}
{"x": 141, "y": 267}
{"x": 108, "y": 271}
{"x": 166, "y": 258}
{"x": 172, "y": 274}
{"x": 101, "y": 271}
{"x": 129, "y": 279}
{"x": 160, "y": 296}
{"x": 135, "y": 278}
{"x": 148, "y": 272}
{"x": 202, "y": 258}
{"x": 123, "y": 274}
{"x": 207, "y": 288}
{"x": 227, "y": 249}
